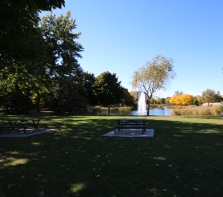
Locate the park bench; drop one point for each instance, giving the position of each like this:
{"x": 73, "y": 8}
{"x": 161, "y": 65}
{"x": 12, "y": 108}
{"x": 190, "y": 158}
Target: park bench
{"x": 130, "y": 123}
{"x": 11, "y": 128}
{"x": 31, "y": 123}
{"x": 129, "y": 126}
{"x": 139, "y": 123}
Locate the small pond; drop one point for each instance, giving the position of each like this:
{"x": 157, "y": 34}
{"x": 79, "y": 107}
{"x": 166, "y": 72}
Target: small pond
{"x": 152, "y": 112}
{"x": 156, "y": 112}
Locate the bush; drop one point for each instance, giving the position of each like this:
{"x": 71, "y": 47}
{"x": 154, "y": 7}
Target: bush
{"x": 217, "y": 110}
{"x": 176, "y": 113}
{"x": 198, "y": 111}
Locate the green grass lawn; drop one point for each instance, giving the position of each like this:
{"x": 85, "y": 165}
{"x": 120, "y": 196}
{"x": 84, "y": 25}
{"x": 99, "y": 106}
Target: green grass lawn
{"x": 184, "y": 158}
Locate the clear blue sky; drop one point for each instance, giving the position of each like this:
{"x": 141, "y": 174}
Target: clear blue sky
{"x": 120, "y": 36}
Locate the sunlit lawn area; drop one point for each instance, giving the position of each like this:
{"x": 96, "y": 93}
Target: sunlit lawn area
{"x": 184, "y": 158}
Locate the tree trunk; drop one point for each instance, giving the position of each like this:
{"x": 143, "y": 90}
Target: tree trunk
{"x": 148, "y": 107}
{"x": 109, "y": 110}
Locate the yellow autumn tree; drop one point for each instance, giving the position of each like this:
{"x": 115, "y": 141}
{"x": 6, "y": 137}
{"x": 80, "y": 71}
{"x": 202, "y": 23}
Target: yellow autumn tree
{"x": 186, "y": 99}
{"x": 175, "y": 100}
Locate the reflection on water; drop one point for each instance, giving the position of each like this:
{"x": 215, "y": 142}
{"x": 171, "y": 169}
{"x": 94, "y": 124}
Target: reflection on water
{"x": 153, "y": 112}
{"x": 137, "y": 113}
{"x": 156, "y": 112}
{"x": 161, "y": 112}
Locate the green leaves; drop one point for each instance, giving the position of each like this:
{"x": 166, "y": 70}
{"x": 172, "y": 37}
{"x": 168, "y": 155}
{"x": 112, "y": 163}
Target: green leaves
{"x": 48, "y": 53}
{"x": 208, "y": 96}
{"x": 20, "y": 34}
{"x": 70, "y": 96}
{"x": 62, "y": 47}
{"x": 108, "y": 89}
{"x": 154, "y": 76}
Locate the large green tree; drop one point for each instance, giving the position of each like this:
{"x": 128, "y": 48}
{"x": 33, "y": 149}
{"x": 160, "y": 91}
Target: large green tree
{"x": 62, "y": 48}
{"x": 69, "y": 96}
{"x": 153, "y": 76}
{"x": 21, "y": 43}
{"x": 61, "y": 54}
{"x": 19, "y": 31}
{"x": 208, "y": 96}
{"x": 60, "y": 51}
{"x": 108, "y": 90}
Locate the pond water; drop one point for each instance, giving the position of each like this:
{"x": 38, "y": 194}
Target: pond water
{"x": 152, "y": 112}
{"x": 155, "y": 112}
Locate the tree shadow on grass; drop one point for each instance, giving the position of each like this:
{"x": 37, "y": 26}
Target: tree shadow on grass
{"x": 78, "y": 161}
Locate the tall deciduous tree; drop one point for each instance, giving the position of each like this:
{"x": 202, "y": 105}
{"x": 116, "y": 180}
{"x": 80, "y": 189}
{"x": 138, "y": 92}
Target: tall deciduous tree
{"x": 175, "y": 100}
{"x": 155, "y": 75}
{"x": 60, "y": 52}
{"x": 19, "y": 31}
{"x": 208, "y": 96}
{"x": 62, "y": 48}
{"x": 184, "y": 99}
{"x": 108, "y": 89}
{"x": 69, "y": 96}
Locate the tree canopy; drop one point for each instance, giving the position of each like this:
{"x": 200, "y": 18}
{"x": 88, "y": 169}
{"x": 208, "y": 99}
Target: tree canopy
{"x": 62, "y": 48}
{"x": 153, "y": 76}
{"x": 19, "y": 31}
{"x": 69, "y": 96}
{"x": 183, "y": 99}
{"x": 208, "y": 96}
{"x": 59, "y": 59}
{"x": 108, "y": 90}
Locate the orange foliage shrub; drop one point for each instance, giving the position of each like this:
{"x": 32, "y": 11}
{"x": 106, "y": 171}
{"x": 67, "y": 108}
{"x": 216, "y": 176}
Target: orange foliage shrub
{"x": 185, "y": 99}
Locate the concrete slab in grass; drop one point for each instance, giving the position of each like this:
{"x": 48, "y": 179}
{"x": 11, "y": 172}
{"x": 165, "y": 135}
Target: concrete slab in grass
{"x": 20, "y": 133}
{"x": 131, "y": 133}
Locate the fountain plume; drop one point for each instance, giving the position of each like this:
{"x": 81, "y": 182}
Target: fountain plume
{"x": 142, "y": 104}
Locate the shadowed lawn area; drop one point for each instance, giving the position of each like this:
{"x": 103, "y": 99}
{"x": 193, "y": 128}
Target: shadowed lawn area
{"x": 184, "y": 158}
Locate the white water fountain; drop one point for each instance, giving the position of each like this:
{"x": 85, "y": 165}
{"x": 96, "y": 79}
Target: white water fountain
{"x": 142, "y": 104}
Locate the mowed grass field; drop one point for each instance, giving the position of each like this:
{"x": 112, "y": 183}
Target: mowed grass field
{"x": 184, "y": 158}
